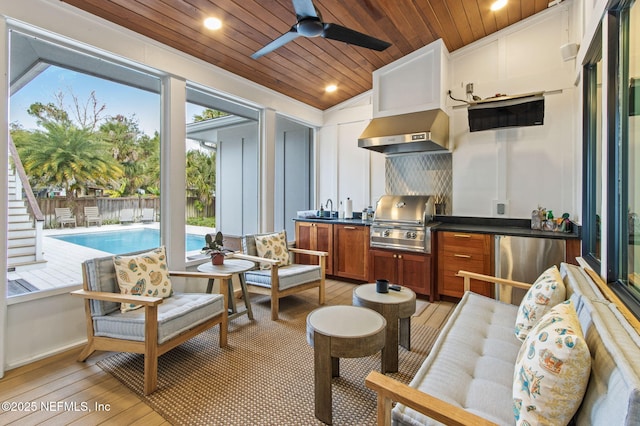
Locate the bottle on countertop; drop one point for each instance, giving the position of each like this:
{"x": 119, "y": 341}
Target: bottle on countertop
{"x": 536, "y": 218}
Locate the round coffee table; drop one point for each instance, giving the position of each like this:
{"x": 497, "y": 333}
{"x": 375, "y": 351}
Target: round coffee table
{"x": 233, "y": 267}
{"x": 340, "y": 332}
{"x": 396, "y": 307}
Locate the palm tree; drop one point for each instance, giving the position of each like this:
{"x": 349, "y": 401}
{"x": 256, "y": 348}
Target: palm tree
{"x": 137, "y": 153}
{"x": 69, "y": 157}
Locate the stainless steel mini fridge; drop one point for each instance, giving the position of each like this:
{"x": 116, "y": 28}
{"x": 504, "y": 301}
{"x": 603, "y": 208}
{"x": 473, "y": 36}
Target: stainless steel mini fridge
{"x": 525, "y": 258}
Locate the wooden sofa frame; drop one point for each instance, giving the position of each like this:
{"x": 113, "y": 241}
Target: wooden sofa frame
{"x": 390, "y": 390}
{"x": 149, "y": 347}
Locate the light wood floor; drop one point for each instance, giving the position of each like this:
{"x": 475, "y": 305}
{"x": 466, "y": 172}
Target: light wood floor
{"x": 45, "y": 392}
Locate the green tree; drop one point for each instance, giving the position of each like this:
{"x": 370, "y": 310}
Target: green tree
{"x": 201, "y": 175}
{"x": 64, "y": 155}
{"x": 208, "y": 114}
{"x": 136, "y": 152}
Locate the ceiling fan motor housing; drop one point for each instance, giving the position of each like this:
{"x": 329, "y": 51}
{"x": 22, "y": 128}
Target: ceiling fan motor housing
{"x": 310, "y": 27}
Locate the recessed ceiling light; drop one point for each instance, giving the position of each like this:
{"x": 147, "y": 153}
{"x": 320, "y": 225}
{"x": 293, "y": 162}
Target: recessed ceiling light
{"x": 498, "y": 4}
{"x": 331, "y": 88}
{"x": 213, "y": 23}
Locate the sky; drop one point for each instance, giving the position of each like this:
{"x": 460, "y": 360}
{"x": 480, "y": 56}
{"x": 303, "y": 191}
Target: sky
{"x": 117, "y": 98}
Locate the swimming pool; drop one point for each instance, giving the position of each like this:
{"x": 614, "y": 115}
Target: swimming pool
{"x": 126, "y": 241}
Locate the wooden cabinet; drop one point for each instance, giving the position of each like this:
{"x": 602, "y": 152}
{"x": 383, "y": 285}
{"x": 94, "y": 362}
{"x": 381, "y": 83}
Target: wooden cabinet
{"x": 351, "y": 251}
{"x": 315, "y": 236}
{"x": 466, "y": 251}
{"x": 408, "y": 269}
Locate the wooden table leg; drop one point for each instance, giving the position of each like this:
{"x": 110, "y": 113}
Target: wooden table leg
{"x": 390, "y": 350}
{"x": 245, "y": 295}
{"x": 405, "y": 333}
{"x": 210, "y": 285}
{"x": 323, "y": 370}
{"x": 232, "y": 298}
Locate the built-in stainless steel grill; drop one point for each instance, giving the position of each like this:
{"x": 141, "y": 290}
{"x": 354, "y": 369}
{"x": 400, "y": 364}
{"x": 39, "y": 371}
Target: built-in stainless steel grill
{"x": 402, "y": 222}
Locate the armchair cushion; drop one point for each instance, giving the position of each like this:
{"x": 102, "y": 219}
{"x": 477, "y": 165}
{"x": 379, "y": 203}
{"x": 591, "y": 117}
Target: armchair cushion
{"x": 289, "y": 276}
{"x": 175, "y": 314}
{"x": 145, "y": 274}
{"x": 544, "y": 294}
{"x": 272, "y": 246}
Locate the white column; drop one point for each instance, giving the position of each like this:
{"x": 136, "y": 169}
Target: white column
{"x": 173, "y": 173}
{"x": 4, "y": 182}
{"x": 267, "y": 161}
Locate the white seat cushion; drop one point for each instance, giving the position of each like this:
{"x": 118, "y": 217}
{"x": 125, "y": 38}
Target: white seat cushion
{"x": 471, "y": 362}
{"x": 289, "y": 276}
{"x": 175, "y": 314}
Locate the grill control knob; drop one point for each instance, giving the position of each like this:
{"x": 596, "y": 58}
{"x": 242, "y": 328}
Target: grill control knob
{"x": 385, "y": 233}
{"x": 411, "y": 235}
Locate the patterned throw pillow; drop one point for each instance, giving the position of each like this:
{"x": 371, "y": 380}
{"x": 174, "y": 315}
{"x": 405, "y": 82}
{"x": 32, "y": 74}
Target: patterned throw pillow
{"x": 544, "y": 294}
{"x": 145, "y": 274}
{"x": 272, "y": 246}
{"x": 552, "y": 369}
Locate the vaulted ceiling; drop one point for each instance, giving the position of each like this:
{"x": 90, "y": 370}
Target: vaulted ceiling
{"x": 303, "y": 67}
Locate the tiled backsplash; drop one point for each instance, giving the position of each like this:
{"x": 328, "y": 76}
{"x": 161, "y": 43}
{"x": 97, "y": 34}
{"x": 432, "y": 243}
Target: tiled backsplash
{"x": 421, "y": 174}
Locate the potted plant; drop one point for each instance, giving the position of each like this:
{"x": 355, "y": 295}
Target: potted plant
{"x": 214, "y": 248}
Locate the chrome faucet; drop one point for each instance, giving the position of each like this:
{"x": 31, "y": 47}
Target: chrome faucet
{"x": 327, "y": 204}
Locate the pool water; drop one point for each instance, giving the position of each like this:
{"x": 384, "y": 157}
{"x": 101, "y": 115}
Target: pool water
{"x": 126, "y": 241}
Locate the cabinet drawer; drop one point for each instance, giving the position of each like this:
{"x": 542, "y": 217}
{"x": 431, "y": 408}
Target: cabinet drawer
{"x": 465, "y": 241}
{"x": 454, "y": 286}
{"x": 471, "y": 263}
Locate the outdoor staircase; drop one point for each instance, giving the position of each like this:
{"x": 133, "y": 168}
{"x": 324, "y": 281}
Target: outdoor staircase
{"x": 24, "y": 243}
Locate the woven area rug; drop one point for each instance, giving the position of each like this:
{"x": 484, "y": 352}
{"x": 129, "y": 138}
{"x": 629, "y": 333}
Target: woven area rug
{"x": 264, "y": 376}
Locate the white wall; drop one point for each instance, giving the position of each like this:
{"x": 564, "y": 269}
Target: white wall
{"x": 525, "y": 166}
{"x": 522, "y": 167}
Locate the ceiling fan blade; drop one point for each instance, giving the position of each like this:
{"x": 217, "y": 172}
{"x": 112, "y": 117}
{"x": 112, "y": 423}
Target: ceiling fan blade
{"x": 304, "y": 9}
{"x": 279, "y": 42}
{"x": 340, "y": 33}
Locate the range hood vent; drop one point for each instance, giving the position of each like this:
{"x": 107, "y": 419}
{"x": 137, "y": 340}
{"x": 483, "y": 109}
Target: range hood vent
{"x": 413, "y": 132}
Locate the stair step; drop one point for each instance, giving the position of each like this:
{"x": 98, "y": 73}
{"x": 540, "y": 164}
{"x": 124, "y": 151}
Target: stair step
{"x": 20, "y": 260}
{"x": 21, "y": 242}
{"x": 15, "y": 212}
{"x": 26, "y": 264}
{"x": 21, "y": 250}
{"x": 13, "y": 225}
{"x": 21, "y": 233}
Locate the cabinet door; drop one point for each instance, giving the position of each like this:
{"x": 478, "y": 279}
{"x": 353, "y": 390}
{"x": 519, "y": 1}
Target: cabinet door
{"x": 383, "y": 265}
{"x": 303, "y": 237}
{"x": 324, "y": 242}
{"x": 351, "y": 244}
{"x": 414, "y": 271}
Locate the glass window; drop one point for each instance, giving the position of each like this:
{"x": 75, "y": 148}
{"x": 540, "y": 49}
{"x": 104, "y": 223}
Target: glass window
{"x": 85, "y": 162}
{"x": 592, "y": 199}
{"x": 222, "y": 166}
{"x": 630, "y": 147}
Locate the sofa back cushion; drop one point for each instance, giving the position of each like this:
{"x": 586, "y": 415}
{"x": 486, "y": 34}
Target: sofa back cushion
{"x": 613, "y": 394}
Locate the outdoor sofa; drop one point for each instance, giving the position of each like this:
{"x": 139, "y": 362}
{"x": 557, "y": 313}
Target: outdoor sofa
{"x": 469, "y": 376}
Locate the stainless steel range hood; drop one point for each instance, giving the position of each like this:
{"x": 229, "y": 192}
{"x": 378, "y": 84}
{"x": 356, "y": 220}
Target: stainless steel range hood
{"x": 413, "y": 132}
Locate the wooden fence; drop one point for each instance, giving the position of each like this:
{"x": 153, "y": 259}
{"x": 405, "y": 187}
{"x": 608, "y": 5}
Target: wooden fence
{"x": 111, "y": 208}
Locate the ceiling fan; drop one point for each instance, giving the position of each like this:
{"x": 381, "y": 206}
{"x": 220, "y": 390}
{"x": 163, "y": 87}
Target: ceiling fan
{"x": 310, "y": 25}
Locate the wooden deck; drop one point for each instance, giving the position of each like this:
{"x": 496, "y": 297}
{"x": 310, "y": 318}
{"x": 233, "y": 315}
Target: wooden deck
{"x": 63, "y": 267}
{"x": 61, "y": 380}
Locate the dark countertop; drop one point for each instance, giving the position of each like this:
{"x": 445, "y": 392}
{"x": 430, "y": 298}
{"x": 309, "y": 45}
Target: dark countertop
{"x": 499, "y": 226}
{"x": 478, "y": 225}
{"x": 357, "y": 222}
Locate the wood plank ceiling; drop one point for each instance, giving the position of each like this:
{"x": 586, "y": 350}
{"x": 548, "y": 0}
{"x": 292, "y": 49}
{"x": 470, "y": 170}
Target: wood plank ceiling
{"x": 304, "y": 67}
